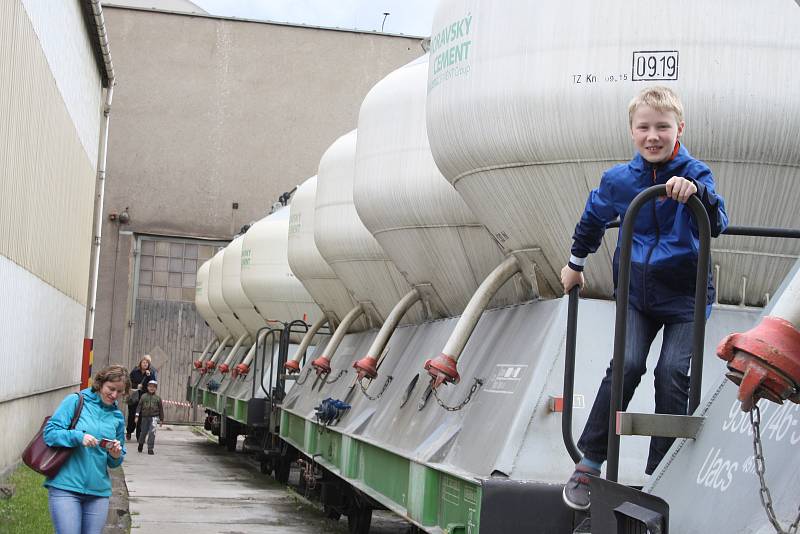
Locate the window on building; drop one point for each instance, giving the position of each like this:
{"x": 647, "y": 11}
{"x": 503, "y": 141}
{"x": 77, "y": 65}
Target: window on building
{"x": 168, "y": 267}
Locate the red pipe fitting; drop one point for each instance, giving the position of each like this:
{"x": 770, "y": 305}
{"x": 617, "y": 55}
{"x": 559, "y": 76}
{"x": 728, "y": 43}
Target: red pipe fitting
{"x": 366, "y": 367}
{"x": 242, "y": 369}
{"x": 292, "y": 367}
{"x": 224, "y": 368}
{"x": 764, "y": 362}
{"x": 210, "y": 365}
{"x": 322, "y": 365}
{"x": 442, "y": 369}
{"x": 198, "y": 364}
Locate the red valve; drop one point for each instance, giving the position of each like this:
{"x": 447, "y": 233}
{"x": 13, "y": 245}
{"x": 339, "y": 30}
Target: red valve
{"x": 366, "y": 367}
{"x": 764, "y": 362}
{"x": 241, "y": 369}
{"x": 198, "y": 364}
{"x": 292, "y": 366}
{"x": 443, "y": 369}
{"x": 224, "y": 368}
{"x": 322, "y": 365}
{"x": 210, "y": 365}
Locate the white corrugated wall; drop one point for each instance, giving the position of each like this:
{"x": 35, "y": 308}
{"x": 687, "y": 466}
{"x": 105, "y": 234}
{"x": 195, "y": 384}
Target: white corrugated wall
{"x": 50, "y": 104}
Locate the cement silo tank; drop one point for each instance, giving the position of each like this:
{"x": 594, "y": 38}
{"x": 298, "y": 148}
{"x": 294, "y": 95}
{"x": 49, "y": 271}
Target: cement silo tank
{"x": 217, "y": 300}
{"x": 527, "y": 105}
{"x": 347, "y": 246}
{"x": 307, "y": 263}
{"x": 232, "y": 290}
{"x": 266, "y": 277}
{"x": 409, "y": 207}
{"x": 204, "y": 307}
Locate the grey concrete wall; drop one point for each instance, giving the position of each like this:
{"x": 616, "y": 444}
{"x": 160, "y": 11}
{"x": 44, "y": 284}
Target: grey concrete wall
{"x": 208, "y": 112}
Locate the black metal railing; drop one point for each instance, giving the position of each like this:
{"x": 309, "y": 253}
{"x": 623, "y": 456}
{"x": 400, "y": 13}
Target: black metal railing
{"x": 620, "y": 329}
{"x": 621, "y": 318}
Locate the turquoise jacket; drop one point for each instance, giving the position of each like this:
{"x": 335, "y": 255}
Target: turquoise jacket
{"x": 86, "y": 470}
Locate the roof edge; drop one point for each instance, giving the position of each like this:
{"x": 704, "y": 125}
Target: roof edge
{"x": 96, "y": 27}
{"x": 259, "y": 21}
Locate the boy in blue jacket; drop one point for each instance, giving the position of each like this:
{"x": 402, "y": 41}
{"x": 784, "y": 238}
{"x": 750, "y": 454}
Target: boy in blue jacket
{"x": 663, "y": 270}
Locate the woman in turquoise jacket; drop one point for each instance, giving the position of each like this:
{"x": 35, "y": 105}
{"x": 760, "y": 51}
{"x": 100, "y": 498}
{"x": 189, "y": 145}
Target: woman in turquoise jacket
{"x": 78, "y": 494}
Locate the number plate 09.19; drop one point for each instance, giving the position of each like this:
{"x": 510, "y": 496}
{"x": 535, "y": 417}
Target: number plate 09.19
{"x": 655, "y": 65}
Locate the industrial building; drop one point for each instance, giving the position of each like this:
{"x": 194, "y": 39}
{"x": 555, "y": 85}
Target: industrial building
{"x": 213, "y": 120}
{"x": 53, "y": 78}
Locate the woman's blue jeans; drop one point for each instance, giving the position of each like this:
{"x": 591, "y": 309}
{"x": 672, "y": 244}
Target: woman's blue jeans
{"x": 671, "y": 383}
{"x": 77, "y": 513}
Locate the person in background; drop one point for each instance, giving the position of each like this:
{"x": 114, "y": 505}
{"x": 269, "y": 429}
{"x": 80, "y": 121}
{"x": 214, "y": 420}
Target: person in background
{"x": 149, "y": 412}
{"x": 664, "y": 258}
{"x": 140, "y": 376}
{"x": 78, "y": 495}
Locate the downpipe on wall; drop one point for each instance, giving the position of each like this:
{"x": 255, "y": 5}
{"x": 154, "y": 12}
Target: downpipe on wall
{"x": 97, "y": 222}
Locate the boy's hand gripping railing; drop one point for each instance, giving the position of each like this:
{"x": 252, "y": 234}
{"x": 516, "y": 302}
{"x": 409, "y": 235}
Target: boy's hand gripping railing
{"x": 569, "y": 375}
{"x": 623, "y": 289}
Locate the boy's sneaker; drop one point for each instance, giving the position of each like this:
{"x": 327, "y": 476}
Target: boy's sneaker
{"x": 150, "y": 451}
{"x": 576, "y": 491}
{"x": 140, "y": 447}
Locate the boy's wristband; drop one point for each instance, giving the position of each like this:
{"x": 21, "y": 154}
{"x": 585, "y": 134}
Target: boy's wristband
{"x": 576, "y": 263}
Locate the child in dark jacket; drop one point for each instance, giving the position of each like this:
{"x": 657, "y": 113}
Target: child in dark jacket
{"x": 663, "y": 269}
{"x": 149, "y": 412}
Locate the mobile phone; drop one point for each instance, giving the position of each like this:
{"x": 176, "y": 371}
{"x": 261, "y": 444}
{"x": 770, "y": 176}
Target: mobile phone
{"x": 105, "y": 443}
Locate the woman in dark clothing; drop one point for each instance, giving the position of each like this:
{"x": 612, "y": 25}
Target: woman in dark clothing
{"x": 140, "y": 376}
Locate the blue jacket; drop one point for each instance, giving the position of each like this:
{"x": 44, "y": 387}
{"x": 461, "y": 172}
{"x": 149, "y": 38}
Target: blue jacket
{"x": 86, "y": 470}
{"x": 665, "y": 240}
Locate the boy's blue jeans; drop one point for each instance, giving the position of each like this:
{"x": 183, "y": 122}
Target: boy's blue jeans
{"x": 77, "y": 513}
{"x": 147, "y": 424}
{"x": 671, "y": 383}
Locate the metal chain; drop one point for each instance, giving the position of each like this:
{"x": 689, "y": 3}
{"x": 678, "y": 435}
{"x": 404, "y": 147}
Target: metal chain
{"x": 340, "y": 375}
{"x": 309, "y": 475}
{"x": 378, "y": 396}
{"x": 766, "y": 497}
{"x": 303, "y": 381}
{"x": 475, "y": 385}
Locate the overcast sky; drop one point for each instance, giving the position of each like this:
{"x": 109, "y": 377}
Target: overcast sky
{"x": 410, "y": 17}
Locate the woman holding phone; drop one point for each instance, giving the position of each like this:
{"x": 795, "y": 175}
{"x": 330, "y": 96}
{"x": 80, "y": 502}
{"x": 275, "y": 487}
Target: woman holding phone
{"x": 78, "y": 494}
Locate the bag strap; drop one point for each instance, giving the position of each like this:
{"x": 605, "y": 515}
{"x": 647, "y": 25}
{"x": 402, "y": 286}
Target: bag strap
{"x": 78, "y": 410}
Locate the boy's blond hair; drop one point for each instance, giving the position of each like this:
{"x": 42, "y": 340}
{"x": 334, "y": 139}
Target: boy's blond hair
{"x": 659, "y": 98}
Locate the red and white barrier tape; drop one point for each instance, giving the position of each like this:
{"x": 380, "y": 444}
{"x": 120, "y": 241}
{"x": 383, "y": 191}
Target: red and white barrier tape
{"x": 177, "y": 403}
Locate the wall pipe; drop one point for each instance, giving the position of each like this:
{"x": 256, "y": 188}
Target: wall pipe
{"x": 97, "y": 219}
{"x": 443, "y": 367}
{"x": 368, "y": 365}
{"x": 225, "y": 367}
{"x": 323, "y": 363}
{"x": 293, "y": 365}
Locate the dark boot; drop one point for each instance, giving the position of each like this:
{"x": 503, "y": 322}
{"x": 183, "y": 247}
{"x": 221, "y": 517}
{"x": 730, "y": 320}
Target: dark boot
{"x": 140, "y": 447}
